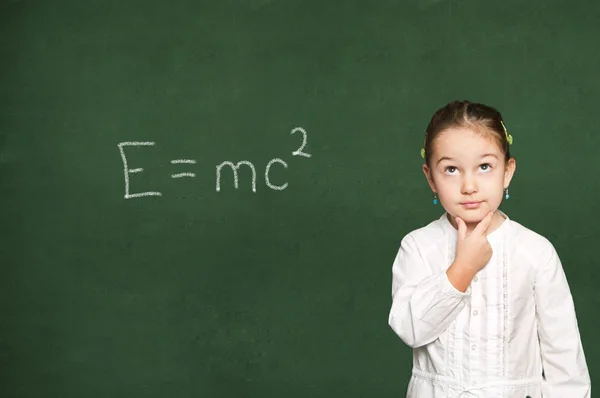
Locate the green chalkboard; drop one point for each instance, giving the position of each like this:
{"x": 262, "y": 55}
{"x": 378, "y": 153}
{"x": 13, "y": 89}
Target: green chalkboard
{"x": 132, "y": 266}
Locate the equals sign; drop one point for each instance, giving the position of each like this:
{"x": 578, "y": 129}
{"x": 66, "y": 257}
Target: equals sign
{"x": 183, "y": 161}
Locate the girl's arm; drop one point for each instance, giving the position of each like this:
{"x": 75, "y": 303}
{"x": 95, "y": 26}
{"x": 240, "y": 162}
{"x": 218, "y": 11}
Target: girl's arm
{"x": 424, "y": 302}
{"x": 565, "y": 370}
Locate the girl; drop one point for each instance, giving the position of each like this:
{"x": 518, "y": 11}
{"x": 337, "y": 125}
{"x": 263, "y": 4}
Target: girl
{"x": 482, "y": 300}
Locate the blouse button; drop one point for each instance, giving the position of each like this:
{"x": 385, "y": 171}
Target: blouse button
{"x": 473, "y": 347}
{"x": 475, "y": 279}
{"x": 475, "y": 312}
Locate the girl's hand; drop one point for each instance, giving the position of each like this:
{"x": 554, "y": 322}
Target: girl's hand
{"x": 473, "y": 251}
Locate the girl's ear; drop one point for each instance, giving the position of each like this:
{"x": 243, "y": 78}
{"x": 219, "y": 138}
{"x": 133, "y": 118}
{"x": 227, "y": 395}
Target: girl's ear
{"x": 509, "y": 171}
{"x": 429, "y": 177}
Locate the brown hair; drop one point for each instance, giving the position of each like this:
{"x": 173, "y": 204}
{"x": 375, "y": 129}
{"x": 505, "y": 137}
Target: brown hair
{"x": 483, "y": 118}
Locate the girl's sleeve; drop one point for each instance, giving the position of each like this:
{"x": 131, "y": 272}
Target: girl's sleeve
{"x": 424, "y": 302}
{"x": 565, "y": 370}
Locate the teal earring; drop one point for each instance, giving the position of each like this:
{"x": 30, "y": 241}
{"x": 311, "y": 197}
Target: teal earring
{"x": 507, "y": 195}
{"x": 435, "y": 198}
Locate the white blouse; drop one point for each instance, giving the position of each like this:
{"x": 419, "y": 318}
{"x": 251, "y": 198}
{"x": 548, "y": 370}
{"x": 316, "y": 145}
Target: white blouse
{"x": 514, "y": 321}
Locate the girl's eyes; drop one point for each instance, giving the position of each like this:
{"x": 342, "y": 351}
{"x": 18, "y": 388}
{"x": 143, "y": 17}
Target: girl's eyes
{"x": 488, "y": 166}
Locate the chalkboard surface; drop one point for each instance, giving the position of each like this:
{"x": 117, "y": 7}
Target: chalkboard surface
{"x": 132, "y": 264}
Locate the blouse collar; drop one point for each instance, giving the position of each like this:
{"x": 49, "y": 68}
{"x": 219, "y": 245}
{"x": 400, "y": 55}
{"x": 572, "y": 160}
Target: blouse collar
{"x": 454, "y": 233}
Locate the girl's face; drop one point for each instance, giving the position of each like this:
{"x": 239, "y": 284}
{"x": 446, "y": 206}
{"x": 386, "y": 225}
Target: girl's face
{"x": 468, "y": 167}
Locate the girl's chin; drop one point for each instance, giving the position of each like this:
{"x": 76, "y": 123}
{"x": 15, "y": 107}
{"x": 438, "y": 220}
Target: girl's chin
{"x": 472, "y": 215}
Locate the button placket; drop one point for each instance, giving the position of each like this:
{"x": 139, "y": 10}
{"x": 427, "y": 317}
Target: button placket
{"x": 474, "y": 330}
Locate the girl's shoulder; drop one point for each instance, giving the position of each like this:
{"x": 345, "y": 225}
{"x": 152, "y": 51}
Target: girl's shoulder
{"x": 525, "y": 242}
{"x": 428, "y": 235}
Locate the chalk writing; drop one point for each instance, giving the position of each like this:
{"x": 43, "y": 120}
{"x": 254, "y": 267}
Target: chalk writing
{"x": 128, "y": 171}
{"x": 183, "y": 161}
{"x": 299, "y": 152}
{"x": 234, "y": 167}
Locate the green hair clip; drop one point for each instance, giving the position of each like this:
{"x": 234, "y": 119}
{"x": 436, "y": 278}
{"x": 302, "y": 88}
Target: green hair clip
{"x": 509, "y": 138}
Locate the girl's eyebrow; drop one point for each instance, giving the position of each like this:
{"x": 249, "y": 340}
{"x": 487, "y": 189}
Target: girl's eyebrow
{"x": 482, "y": 156}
